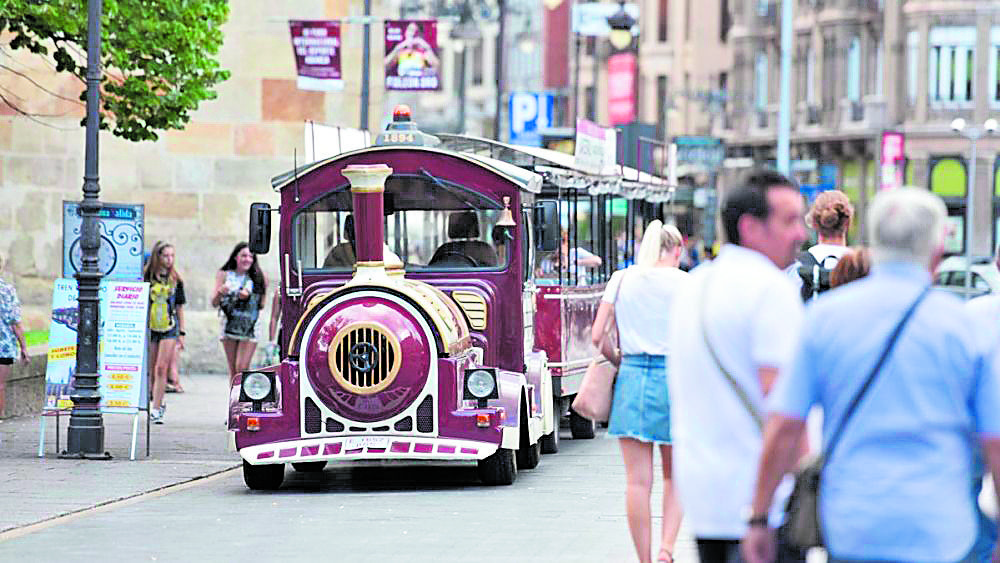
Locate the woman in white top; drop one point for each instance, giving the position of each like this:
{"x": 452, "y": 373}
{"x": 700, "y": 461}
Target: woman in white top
{"x": 638, "y": 300}
{"x": 239, "y": 280}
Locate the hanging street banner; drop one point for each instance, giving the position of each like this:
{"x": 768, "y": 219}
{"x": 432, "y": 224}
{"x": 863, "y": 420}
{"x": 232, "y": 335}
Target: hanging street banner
{"x": 412, "y": 59}
{"x": 621, "y": 88}
{"x": 893, "y": 160}
{"x": 317, "y": 54}
{"x": 121, "y": 229}
{"x": 122, "y": 354}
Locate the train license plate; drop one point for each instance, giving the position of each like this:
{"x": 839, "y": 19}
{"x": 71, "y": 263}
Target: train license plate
{"x": 358, "y": 442}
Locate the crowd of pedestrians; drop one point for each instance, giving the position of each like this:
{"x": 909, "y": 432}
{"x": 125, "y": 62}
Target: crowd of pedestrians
{"x": 906, "y": 379}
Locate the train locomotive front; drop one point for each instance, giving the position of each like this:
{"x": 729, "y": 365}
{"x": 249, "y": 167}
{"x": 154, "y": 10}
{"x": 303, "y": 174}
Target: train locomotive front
{"x": 381, "y": 366}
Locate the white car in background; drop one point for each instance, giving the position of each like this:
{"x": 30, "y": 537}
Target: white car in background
{"x": 950, "y": 276}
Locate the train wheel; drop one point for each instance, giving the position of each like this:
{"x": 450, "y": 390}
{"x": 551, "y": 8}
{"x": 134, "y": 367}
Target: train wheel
{"x": 581, "y": 428}
{"x": 309, "y": 466}
{"x": 528, "y": 454}
{"x": 263, "y": 477}
{"x": 550, "y": 441}
{"x": 499, "y": 468}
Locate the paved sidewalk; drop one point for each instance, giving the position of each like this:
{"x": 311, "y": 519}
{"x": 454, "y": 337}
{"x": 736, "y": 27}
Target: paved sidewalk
{"x": 191, "y": 445}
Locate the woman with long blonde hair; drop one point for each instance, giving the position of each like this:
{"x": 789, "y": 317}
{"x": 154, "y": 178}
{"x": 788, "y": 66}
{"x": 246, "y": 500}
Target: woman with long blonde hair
{"x": 638, "y": 300}
{"x": 166, "y": 320}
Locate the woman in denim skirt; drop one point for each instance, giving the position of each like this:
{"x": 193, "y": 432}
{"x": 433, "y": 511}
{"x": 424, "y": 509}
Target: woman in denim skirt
{"x": 638, "y": 300}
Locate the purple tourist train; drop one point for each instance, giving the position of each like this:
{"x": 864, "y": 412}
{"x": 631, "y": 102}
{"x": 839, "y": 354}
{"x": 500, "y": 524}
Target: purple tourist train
{"x": 418, "y": 321}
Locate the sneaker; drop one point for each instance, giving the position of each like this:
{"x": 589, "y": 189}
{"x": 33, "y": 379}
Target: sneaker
{"x": 156, "y": 415}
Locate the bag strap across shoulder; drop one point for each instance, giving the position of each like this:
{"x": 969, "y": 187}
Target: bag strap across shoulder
{"x": 853, "y": 405}
{"x": 741, "y": 393}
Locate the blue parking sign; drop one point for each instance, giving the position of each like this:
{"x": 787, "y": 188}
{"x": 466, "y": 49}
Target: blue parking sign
{"x": 529, "y": 113}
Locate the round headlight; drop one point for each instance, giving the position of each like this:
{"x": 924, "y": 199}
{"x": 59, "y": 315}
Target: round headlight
{"x": 256, "y": 386}
{"x": 480, "y": 383}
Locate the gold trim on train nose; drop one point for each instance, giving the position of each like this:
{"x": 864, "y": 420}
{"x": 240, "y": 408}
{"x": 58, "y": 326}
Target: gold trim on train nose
{"x": 364, "y": 358}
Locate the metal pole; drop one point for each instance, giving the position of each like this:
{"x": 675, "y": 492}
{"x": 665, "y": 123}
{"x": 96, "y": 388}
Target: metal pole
{"x": 969, "y": 207}
{"x": 461, "y": 88}
{"x": 499, "y": 69}
{"x": 366, "y": 48}
{"x": 576, "y": 81}
{"x": 785, "y": 90}
{"x": 85, "y": 438}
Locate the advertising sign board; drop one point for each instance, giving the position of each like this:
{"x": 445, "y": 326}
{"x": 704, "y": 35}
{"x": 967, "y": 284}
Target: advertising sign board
{"x": 621, "y": 88}
{"x": 591, "y": 18}
{"x": 121, "y": 231}
{"x": 595, "y": 148}
{"x": 893, "y": 160}
{"x": 317, "y": 54}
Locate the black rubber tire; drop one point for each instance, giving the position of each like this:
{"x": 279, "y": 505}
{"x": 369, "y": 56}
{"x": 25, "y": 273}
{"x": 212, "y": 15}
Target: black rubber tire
{"x": 528, "y": 454}
{"x": 499, "y": 468}
{"x": 581, "y": 428}
{"x": 263, "y": 477}
{"x": 550, "y": 441}
{"x": 309, "y": 466}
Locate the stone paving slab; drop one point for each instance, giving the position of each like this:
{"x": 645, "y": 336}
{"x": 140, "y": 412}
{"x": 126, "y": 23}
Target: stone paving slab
{"x": 191, "y": 445}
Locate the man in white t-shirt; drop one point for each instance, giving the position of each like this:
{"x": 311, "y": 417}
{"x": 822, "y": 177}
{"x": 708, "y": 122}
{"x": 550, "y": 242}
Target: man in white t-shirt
{"x": 740, "y": 316}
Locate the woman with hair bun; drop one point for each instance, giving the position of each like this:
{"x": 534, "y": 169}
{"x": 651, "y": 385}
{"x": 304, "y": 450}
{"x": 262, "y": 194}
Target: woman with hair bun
{"x": 830, "y": 216}
{"x": 638, "y": 301}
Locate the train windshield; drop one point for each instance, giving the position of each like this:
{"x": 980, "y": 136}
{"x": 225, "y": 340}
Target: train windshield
{"x": 429, "y": 223}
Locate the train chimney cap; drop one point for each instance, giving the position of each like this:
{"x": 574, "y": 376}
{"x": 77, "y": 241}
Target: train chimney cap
{"x": 403, "y": 131}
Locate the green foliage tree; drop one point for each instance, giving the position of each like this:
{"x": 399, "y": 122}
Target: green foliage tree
{"x": 157, "y": 56}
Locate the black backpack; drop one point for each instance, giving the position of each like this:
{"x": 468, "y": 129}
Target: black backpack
{"x": 815, "y": 274}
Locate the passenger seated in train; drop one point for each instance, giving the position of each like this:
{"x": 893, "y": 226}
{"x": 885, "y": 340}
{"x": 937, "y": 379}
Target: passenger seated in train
{"x": 465, "y": 249}
{"x": 342, "y": 255}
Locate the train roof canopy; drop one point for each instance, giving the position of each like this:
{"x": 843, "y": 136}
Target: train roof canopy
{"x": 524, "y": 178}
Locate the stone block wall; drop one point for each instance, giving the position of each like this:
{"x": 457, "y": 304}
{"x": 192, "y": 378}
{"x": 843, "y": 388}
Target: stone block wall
{"x": 196, "y": 184}
{"x": 26, "y": 386}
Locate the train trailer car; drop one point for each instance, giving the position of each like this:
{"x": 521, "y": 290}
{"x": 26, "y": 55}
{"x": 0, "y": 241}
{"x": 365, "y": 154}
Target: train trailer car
{"x": 407, "y": 303}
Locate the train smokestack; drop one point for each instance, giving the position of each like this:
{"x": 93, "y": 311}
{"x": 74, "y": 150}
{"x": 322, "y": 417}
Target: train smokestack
{"x": 367, "y": 189}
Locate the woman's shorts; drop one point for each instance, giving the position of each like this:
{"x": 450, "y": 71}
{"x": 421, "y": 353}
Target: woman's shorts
{"x": 641, "y": 405}
{"x": 155, "y": 337}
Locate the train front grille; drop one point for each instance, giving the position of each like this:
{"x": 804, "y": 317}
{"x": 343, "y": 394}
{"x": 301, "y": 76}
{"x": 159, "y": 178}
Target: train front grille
{"x": 364, "y": 358}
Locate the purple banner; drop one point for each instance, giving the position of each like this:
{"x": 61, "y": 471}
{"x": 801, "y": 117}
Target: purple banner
{"x": 411, "y": 60}
{"x": 317, "y": 54}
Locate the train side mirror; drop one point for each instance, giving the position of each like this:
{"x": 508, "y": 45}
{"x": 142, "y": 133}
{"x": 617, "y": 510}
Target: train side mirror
{"x": 260, "y": 228}
{"x": 546, "y": 222}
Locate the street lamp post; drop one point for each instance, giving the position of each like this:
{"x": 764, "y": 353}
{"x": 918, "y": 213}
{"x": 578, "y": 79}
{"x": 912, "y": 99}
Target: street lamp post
{"x": 973, "y": 134}
{"x": 85, "y": 437}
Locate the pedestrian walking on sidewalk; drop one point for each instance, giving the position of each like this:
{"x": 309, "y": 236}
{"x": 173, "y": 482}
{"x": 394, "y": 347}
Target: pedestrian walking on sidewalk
{"x": 908, "y": 387}
{"x": 12, "y": 345}
{"x": 637, "y": 301}
{"x": 240, "y": 287}
{"x": 734, "y": 328}
{"x": 166, "y": 320}
{"x": 830, "y": 216}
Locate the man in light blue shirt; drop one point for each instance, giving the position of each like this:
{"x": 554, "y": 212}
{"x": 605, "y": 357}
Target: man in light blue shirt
{"x": 896, "y": 488}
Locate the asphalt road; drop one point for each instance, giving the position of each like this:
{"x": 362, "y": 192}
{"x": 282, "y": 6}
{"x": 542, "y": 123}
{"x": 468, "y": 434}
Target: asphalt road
{"x": 570, "y": 508}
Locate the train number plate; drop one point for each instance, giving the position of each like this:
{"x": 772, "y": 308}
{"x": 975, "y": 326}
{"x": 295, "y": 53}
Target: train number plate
{"x": 358, "y": 442}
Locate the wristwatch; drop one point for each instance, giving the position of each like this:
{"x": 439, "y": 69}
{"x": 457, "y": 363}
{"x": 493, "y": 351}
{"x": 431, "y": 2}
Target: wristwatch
{"x": 754, "y": 520}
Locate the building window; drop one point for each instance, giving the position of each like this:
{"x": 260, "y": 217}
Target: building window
{"x": 477, "y": 63}
{"x": 458, "y": 74}
{"x": 810, "y": 89}
{"x": 878, "y": 73}
{"x": 829, "y": 74}
{"x": 854, "y": 70}
{"x": 994, "y": 78}
{"x": 662, "y": 105}
{"x": 663, "y": 25}
{"x": 948, "y": 177}
{"x": 952, "y": 53}
{"x": 760, "y": 82}
{"x": 725, "y": 20}
{"x": 912, "y": 61}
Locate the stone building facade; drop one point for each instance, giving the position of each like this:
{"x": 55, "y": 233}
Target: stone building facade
{"x": 862, "y": 67}
{"x": 196, "y": 184}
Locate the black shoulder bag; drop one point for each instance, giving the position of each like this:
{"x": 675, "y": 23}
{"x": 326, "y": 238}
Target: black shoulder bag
{"x": 802, "y": 525}
{"x": 241, "y": 314}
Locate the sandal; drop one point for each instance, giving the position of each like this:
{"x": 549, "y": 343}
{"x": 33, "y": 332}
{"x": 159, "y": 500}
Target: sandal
{"x": 171, "y": 388}
{"x": 665, "y": 556}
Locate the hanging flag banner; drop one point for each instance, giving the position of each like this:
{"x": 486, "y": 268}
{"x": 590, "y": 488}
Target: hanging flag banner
{"x": 317, "y": 54}
{"x": 621, "y": 88}
{"x": 411, "y": 60}
{"x": 122, "y": 354}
